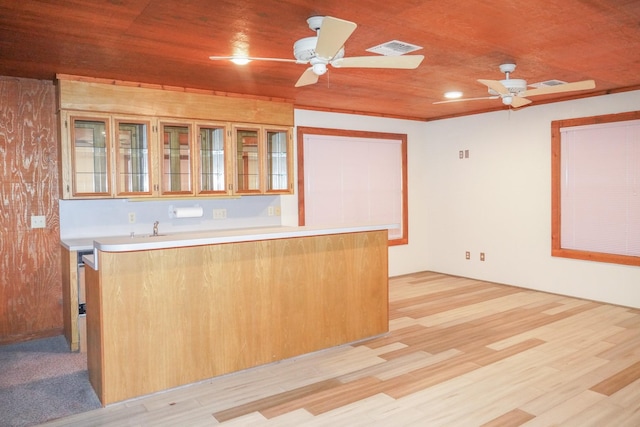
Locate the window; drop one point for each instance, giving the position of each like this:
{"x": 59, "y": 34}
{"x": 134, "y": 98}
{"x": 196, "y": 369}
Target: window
{"x": 347, "y": 177}
{"x": 596, "y": 188}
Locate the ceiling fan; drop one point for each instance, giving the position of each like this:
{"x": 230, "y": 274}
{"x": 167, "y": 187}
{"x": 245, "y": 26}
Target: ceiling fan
{"x": 514, "y": 92}
{"x": 327, "y": 48}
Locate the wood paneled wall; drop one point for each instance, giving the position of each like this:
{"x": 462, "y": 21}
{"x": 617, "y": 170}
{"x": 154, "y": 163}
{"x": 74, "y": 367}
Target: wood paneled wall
{"x": 30, "y": 285}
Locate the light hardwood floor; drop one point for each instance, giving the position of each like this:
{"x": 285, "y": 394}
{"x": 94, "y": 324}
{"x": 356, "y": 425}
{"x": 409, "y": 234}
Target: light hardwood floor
{"x": 460, "y": 352}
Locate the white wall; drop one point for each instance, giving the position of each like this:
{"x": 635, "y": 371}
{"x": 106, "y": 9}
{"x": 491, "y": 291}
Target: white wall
{"x": 498, "y": 201}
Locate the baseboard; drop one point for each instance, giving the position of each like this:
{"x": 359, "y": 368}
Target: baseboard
{"x": 12, "y": 339}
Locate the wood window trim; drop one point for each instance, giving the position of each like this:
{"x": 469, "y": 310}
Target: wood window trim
{"x": 302, "y": 131}
{"x": 556, "y": 196}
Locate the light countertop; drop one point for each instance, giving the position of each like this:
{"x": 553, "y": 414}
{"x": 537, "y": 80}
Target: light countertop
{"x": 212, "y": 237}
{"x": 208, "y": 237}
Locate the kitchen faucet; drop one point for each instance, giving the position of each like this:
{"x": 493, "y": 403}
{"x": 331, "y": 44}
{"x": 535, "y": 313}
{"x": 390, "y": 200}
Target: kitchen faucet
{"x": 155, "y": 228}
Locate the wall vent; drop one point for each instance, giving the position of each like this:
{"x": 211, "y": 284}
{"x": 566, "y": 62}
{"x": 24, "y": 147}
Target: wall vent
{"x": 394, "y": 48}
{"x": 548, "y": 83}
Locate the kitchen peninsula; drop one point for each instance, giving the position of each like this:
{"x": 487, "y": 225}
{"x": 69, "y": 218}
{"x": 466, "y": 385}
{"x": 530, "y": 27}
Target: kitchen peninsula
{"x": 164, "y": 311}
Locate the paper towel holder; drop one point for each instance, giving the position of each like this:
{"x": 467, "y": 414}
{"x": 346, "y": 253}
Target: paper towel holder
{"x": 185, "y": 212}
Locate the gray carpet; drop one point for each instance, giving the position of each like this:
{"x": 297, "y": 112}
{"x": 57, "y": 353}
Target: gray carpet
{"x": 41, "y": 380}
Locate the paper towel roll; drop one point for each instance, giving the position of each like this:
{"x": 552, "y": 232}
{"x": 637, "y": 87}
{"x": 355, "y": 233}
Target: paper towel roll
{"x": 192, "y": 212}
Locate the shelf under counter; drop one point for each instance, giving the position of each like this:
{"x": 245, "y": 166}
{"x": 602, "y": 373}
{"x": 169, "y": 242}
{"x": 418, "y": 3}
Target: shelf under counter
{"x": 78, "y": 244}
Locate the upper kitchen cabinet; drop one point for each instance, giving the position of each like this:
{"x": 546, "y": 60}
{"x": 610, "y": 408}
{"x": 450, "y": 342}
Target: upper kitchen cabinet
{"x": 103, "y": 156}
{"x": 177, "y": 159}
{"x": 279, "y": 176}
{"x": 213, "y": 158}
{"x": 262, "y": 160}
{"x": 248, "y": 155}
{"x": 195, "y": 162}
{"x": 128, "y": 139}
{"x": 89, "y": 154}
{"x": 133, "y": 158}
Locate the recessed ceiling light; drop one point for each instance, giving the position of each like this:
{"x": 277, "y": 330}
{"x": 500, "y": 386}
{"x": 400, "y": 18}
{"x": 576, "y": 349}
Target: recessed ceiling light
{"x": 240, "y": 60}
{"x": 453, "y": 95}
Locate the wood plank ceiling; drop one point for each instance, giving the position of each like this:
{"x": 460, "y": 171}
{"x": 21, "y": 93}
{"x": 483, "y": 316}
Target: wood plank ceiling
{"x": 165, "y": 42}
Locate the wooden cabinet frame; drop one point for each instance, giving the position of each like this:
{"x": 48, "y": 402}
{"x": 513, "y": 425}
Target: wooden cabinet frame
{"x": 198, "y": 161}
{"x": 175, "y": 159}
{"x": 88, "y": 97}
{"x": 69, "y": 161}
{"x": 148, "y": 159}
{"x": 261, "y": 144}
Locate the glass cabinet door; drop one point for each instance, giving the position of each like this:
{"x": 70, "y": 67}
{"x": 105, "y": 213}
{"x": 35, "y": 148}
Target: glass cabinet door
{"x": 212, "y": 155}
{"x": 176, "y": 159}
{"x": 90, "y": 156}
{"x": 133, "y": 157}
{"x": 277, "y": 160}
{"x": 247, "y": 160}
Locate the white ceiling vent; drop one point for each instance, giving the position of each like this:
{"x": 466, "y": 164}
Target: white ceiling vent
{"x": 548, "y": 83}
{"x": 394, "y": 48}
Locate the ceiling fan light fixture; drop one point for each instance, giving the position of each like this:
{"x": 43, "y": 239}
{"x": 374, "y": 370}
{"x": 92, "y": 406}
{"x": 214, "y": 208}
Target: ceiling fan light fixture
{"x": 453, "y": 94}
{"x": 319, "y": 68}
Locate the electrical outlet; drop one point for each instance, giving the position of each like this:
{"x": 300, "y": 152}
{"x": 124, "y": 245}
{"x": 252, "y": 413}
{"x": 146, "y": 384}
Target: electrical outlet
{"x": 219, "y": 213}
{"x": 271, "y": 211}
{"x": 132, "y": 217}
{"x": 38, "y": 221}
{"x": 461, "y": 154}
{"x": 481, "y": 256}
{"x": 467, "y": 255}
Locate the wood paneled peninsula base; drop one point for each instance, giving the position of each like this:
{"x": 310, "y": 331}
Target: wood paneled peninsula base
{"x": 161, "y": 316}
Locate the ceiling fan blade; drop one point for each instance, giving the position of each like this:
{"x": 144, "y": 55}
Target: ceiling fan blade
{"x": 495, "y": 85}
{"x": 251, "y": 58}
{"x": 466, "y": 99}
{"x": 567, "y": 87}
{"x": 519, "y": 101}
{"x": 332, "y": 35}
{"x": 404, "y": 62}
{"x": 307, "y": 78}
